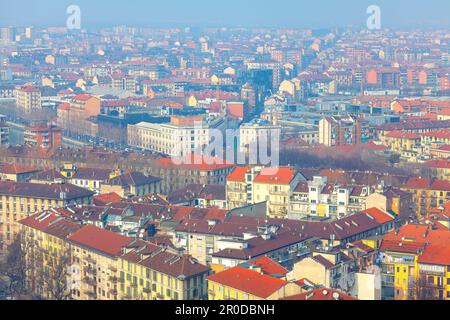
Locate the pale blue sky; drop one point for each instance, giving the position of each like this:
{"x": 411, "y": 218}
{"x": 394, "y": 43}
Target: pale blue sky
{"x": 296, "y": 13}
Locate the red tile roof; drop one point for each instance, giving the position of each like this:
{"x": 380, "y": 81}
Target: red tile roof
{"x": 439, "y": 163}
{"x": 276, "y": 176}
{"x": 100, "y": 240}
{"x": 436, "y": 255}
{"x": 269, "y": 267}
{"x": 16, "y": 168}
{"x": 402, "y": 135}
{"x": 379, "y": 215}
{"x": 82, "y": 97}
{"x": 418, "y": 183}
{"x": 107, "y": 198}
{"x": 238, "y": 174}
{"x": 249, "y": 281}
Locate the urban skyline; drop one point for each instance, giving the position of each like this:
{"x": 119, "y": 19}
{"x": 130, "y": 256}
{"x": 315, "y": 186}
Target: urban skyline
{"x": 201, "y": 13}
{"x": 224, "y": 152}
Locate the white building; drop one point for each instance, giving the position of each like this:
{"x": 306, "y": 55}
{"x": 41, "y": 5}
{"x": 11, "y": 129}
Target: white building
{"x": 180, "y": 137}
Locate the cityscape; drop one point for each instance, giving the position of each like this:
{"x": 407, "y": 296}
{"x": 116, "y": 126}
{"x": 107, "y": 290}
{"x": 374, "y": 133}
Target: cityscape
{"x": 198, "y": 156}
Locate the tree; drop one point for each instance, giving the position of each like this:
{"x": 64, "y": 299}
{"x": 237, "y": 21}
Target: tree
{"x": 394, "y": 159}
{"x": 54, "y": 277}
{"x": 424, "y": 290}
{"x": 15, "y": 267}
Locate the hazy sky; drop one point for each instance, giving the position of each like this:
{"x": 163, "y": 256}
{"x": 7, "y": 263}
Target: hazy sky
{"x": 291, "y": 13}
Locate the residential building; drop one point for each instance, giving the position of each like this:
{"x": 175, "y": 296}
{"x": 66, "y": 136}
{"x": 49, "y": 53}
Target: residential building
{"x": 427, "y": 193}
{"x": 182, "y": 137}
{"x": 257, "y": 134}
{"x": 131, "y": 184}
{"x": 43, "y": 136}
{"x": 246, "y": 284}
{"x": 19, "y": 200}
{"x": 251, "y": 185}
{"x": 339, "y": 131}
{"x": 318, "y": 198}
{"x": 28, "y": 99}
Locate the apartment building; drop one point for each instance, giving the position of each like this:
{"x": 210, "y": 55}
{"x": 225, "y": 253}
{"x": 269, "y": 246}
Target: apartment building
{"x": 16, "y": 172}
{"x": 131, "y": 184}
{"x": 251, "y": 185}
{"x": 19, "y": 200}
{"x": 149, "y": 272}
{"x": 103, "y": 265}
{"x": 321, "y": 199}
{"x": 406, "y": 144}
{"x": 28, "y": 99}
{"x": 179, "y": 138}
{"x": 4, "y": 131}
{"x": 49, "y": 255}
{"x": 43, "y": 136}
{"x": 415, "y": 263}
{"x": 257, "y": 134}
{"x": 440, "y": 168}
{"x": 339, "y": 131}
{"x": 427, "y": 193}
{"x": 196, "y": 170}
{"x": 243, "y": 284}
{"x": 74, "y": 116}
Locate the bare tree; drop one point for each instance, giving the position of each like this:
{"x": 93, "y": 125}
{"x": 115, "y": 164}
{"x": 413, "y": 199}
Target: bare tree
{"x": 16, "y": 268}
{"x": 424, "y": 290}
{"x": 54, "y": 277}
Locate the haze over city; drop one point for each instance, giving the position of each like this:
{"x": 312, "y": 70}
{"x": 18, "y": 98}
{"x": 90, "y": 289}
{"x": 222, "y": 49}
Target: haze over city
{"x": 218, "y": 153}
{"x": 285, "y": 13}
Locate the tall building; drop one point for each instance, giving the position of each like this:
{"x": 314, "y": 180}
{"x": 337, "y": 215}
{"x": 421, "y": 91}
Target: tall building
{"x": 75, "y": 116}
{"x": 339, "y": 131}
{"x": 43, "y": 136}
{"x": 7, "y": 35}
{"x": 28, "y": 99}
{"x": 180, "y": 137}
{"x": 250, "y": 135}
{"x": 246, "y": 186}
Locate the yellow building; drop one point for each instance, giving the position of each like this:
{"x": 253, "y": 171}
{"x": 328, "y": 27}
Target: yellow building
{"x": 16, "y": 172}
{"x": 245, "y": 284}
{"x": 102, "y": 265}
{"x": 47, "y": 254}
{"x": 246, "y": 185}
{"x": 19, "y": 200}
{"x": 428, "y": 193}
{"x": 407, "y": 144}
{"x": 28, "y": 99}
{"x": 415, "y": 263}
{"x": 131, "y": 184}
{"x": 149, "y": 272}
{"x": 434, "y": 270}
{"x": 440, "y": 168}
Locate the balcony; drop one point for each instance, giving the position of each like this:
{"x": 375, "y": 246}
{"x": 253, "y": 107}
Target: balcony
{"x": 91, "y": 271}
{"x": 337, "y": 276}
{"x": 89, "y": 281}
{"x": 90, "y": 260}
